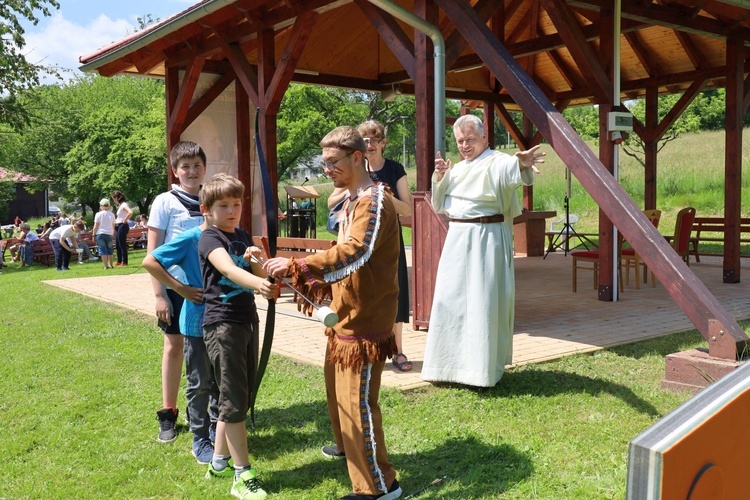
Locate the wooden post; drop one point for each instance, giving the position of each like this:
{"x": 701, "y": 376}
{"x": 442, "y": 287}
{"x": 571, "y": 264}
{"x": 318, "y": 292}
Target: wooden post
{"x": 651, "y": 146}
{"x": 733, "y": 160}
{"x": 172, "y": 88}
{"x": 425, "y": 95}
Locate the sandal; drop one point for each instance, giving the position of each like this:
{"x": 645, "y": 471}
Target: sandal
{"x": 405, "y": 365}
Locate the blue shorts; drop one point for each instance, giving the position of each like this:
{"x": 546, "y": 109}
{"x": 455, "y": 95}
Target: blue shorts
{"x": 104, "y": 243}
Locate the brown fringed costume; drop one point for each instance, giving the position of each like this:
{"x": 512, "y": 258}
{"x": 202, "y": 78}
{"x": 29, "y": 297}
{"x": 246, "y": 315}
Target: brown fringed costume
{"x": 362, "y": 269}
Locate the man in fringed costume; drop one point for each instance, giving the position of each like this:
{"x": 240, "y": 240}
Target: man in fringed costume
{"x": 362, "y": 269}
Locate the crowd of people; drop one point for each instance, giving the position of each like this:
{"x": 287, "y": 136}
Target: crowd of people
{"x": 65, "y": 241}
{"x": 205, "y": 273}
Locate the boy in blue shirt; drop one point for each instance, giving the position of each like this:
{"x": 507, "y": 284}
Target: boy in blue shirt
{"x": 202, "y": 392}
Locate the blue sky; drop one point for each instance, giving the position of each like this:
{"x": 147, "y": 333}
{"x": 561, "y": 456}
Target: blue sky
{"x": 80, "y": 27}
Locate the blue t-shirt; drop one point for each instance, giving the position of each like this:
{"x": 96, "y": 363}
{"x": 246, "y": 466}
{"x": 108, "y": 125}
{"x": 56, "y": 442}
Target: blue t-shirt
{"x": 182, "y": 251}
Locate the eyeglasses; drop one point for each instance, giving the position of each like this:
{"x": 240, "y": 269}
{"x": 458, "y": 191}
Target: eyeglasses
{"x": 331, "y": 164}
{"x": 372, "y": 141}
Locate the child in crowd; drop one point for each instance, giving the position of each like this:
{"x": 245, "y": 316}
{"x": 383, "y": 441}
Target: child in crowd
{"x": 59, "y": 241}
{"x": 201, "y": 391}
{"x": 172, "y": 213}
{"x": 230, "y": 326}
{"x": 104, "y": 231}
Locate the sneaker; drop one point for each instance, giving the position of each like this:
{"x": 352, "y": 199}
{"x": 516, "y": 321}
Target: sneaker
{"x": 227, "y": 471}
{"x": 93, "y": 259}
{"x": 167, "y": 418}
{"x": 203, "y": 450}
{"x": 248, "y": 487}
{"x": 332, "y": 452}
{"x": 393, "y": 492}
{"x": 80, "y": 262}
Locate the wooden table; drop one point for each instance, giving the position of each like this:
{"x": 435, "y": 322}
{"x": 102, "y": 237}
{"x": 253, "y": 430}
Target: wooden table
{"x": 529, "y": 231}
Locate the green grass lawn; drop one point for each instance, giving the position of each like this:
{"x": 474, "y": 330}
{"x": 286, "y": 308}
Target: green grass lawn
{"x": 81, "y": 384}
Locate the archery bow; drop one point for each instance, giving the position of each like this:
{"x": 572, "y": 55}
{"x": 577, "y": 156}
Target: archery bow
{"x": 268, "y": 197}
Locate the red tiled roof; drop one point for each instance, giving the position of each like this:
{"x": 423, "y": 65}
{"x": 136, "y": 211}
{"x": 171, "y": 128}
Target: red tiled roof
{"x": 12, "y": 175}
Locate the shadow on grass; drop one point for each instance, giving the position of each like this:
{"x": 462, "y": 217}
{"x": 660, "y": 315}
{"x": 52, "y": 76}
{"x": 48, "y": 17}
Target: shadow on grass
{"x": 550, "y": 383}
{"x": 472, "y": 469}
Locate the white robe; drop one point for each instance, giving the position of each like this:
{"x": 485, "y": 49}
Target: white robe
{"x": 470, "y": 338}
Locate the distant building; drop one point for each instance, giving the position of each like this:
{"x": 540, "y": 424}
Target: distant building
{"x": 25, "y": 204}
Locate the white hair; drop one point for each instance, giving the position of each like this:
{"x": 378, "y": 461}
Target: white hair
{"x": 469, "y": 121}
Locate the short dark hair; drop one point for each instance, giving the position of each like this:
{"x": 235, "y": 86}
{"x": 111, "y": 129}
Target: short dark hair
{"x": 221, "y": 186}
{"x": 185, "y": 149}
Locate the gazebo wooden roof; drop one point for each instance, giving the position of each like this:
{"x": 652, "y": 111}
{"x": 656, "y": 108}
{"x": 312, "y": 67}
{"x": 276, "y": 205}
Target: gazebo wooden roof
{"x": 667, "y": 45}
{"x": 537, "y": 56}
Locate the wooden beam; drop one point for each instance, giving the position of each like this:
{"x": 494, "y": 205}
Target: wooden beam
{"x": 679, "y": 107}
{"x": 268, "y": 129}
{"x": 644, "y": 55}
{"x": 392, "y": 34}
{"x": 669, "y": 16}
{"x": 283, "y": 74}
{"x": 588, "y": 63}
{"x": 691, "y": 49}
{"x": 185, "y": 96}
{"x": 510, "y": 125}
{"x": 202, "y": 103}
{"x": 733, "y": 161}
{"x": 455, "y": 44}
{"x": 651, "y": 147}
{"x": 244, "y": 165}
{"x": 424, "y": 95}
{"x": 568, "y": 73}
{"x": 245, "y": 73}
{"x": 685, "y": 288}
{"x": 172, "y": 87}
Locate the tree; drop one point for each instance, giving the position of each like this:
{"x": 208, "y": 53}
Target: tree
{"x": 18, "y": 74}
{"x": 75, "y": 128}
{"x": 688, "y": 121}
{"x": 306, "y": 115}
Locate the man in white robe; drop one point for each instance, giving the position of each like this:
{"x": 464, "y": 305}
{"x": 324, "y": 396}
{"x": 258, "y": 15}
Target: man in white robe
{"x": 470, "y": 338}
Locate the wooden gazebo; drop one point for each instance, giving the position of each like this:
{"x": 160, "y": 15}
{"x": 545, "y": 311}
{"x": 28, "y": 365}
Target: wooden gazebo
{"x": 535, "y": 56}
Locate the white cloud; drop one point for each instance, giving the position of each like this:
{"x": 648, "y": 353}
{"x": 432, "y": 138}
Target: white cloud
{"x": 61, "y": 42}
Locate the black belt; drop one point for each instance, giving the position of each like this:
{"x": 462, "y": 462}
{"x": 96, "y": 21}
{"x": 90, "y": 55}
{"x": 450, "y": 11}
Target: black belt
{"x": 487, "y": 219}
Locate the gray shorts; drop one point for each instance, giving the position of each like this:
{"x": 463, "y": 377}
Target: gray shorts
{"x": 233, "y": 351}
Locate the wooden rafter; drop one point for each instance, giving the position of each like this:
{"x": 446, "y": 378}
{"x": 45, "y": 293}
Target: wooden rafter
{"x": 202, "y": 103}
{"x": 392, "y": 34}
{"x": 691, "y": 49}
{"x": 669, "y": 16}
{"x": 507, "y": 121}
{"x": 642, "y": 53}
{"x": 588, "y": 62}
{"x": 679, "y": 107}
{"x": 528, "y": 62}
{"x": 185, "y": 95}
{"x": 567, "y": 72}
{"x": 285, "y": 69}
{"x": 455, "y": 44}
{"x": 246, "y": 75}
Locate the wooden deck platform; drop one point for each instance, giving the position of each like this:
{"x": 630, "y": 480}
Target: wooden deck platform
{"x": 551, "y": 320}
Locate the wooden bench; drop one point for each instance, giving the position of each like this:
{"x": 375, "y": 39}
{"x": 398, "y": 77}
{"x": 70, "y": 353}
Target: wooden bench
{"x": 43, "y": 252}
{"x": 299, "y": 248}
{"x": 711, "y": 229}
{"x": 136, "y": 238}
